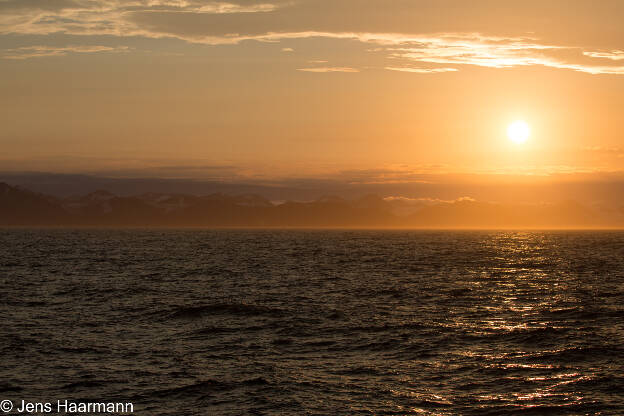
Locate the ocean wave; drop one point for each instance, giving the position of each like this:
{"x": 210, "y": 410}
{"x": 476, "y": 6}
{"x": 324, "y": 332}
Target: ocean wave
{"x": 236, "y": 309}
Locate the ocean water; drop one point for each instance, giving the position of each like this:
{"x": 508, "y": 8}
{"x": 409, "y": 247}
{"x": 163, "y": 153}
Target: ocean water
{"x": 205, "y": 322}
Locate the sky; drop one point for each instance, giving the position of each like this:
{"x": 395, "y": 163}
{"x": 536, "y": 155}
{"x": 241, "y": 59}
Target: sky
{"x": 371, "y": 91}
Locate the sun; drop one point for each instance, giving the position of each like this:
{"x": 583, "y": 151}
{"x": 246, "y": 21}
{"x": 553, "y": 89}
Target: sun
{"x": 518, "y": 131}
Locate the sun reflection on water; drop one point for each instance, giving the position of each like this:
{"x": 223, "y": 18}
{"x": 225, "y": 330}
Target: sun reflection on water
{"x": 520, "y": 313}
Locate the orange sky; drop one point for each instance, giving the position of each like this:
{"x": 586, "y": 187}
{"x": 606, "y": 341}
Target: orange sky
{"x": 310, "y": 87}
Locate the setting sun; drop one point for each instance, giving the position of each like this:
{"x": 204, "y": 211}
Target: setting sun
{"x": 518, "y": 131}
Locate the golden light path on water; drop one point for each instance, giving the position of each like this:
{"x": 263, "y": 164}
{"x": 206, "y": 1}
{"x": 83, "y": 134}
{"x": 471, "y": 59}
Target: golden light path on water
{"x": 514, "y": 308}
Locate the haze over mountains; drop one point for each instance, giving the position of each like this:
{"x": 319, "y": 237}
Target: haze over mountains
{"x": 22, "y": 207}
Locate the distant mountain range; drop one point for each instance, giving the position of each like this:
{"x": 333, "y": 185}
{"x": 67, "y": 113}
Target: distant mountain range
{"x": 21, "y": 207}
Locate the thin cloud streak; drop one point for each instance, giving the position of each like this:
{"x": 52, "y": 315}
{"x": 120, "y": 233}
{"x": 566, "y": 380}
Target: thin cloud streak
{"x": 43, "y": 51}
{"x": 428, "y": 200}
{"x": 329, "y": 69}
{"x": 422, "y": 70}
{"x": 492, "y": 53}
{"x": 613, "y": 55}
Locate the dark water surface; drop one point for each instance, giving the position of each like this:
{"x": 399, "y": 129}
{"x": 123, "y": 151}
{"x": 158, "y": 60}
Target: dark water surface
{"x": 203, "y": 322}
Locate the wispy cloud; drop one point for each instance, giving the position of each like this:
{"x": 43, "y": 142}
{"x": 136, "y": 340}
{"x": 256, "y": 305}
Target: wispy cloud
{"x": 236, "y": 21}
{"x": 41, "y": 51}
{"x": 421, "y": 70}
{"x": 490, "y": 52}
{"x": 612, "y": 55}
{"x": 389, "y": 175}
{"x": 453, "y": 49}
{"x": 427, "y": 200}
{"x": 329, "y": 69}
{"x": 106, "y": 17}
{"x": 223, "y": 7}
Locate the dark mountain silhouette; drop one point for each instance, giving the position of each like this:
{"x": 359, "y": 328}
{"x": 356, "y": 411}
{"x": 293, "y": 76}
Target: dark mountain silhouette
{"x": 20, "y": 207}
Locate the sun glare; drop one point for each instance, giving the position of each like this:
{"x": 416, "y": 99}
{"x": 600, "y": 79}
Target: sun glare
{"x": 518, "y": 131}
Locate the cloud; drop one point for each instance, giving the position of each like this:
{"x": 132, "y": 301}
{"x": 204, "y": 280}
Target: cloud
{"x": 612, "y": 55}
{"x": 220, "y": 7}
{"x": 41, "y": 51}
{"x": 109, "y": 17}
{"x": 329, "y": 69}
{"x": 427, "y": 200}
{"x": 103, "y": 6}
{"x": 490, "y": 52}
{"x": 388, "y": 175}
{"x": 422, "y": 70}
{"x": 588, "y": 69}
{"x": 224, "y": 173}
{"x": 236, "y": 21}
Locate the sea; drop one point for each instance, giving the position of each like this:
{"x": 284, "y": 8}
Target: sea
{"x": 314, "y": 322}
